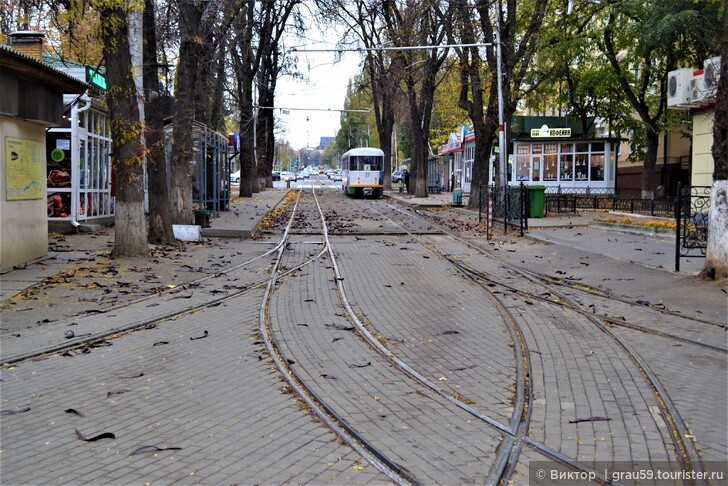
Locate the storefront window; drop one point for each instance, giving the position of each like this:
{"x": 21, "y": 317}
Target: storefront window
{"x": 90, "y": 196}
{"x": 523, "y": 162}
{"x": 567, "y": 167}
{"x": 523, "y": 167}
{"x": 554, "y": 162}
{"x": 581, "y": 167}
{"x": 550, "y": 162}
{"x": 597, "y": 167}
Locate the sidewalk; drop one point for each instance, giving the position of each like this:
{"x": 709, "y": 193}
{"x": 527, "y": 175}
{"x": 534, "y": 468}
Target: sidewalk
{"x": 657, "y": 250}
{"x": 627, "y": 262}
{"x": 242, "y": 221}
{"x": 630, "y": 262}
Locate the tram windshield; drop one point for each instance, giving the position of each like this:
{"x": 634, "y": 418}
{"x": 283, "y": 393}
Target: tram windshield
{"x": 365, "y": 162}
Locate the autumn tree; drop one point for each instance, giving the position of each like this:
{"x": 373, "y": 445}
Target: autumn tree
{"x": 158, "y": 106}
{"x": 274, "y": 61}
{"x": 190, "y": 22}
{"x": 716, "y": 258}
{"x": 516, "y": 26}
{"x": 642, "y": 42}
{"x": 246, "y": 61}
{"x": 126, "y": 130}
{"x": 420, "y": 24}
{"x": 363, "y": 20}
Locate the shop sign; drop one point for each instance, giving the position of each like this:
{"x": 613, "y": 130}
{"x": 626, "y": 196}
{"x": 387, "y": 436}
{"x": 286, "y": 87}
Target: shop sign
{"x": 546, "y": 132}
{"x": 95, "y": 78}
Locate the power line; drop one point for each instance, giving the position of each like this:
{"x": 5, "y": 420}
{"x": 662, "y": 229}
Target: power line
{"x": 394, "y": 48}
{"x": 368, "y": 110}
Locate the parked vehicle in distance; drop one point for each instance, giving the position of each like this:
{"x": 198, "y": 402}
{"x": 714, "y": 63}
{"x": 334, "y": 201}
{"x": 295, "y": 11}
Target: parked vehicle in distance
{"x": 397, "y": 176}
{"x": 235, "y": 177}
{"x": 276, "y": 176}
{"x": 337, "y": 175}
{"x": 288, "y": 176}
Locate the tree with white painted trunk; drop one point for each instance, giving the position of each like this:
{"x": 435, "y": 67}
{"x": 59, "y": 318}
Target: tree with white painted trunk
{"x": 716, "y": 258}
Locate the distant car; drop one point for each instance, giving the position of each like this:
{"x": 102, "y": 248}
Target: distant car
{"x": 288, "y": 176}
{"x": 397, "y": 176}
{"x": 299, "y": 176}
{"x": 276, "y": 176}
{"x": 337, "y": 175}
{"x": 235, "y": 178}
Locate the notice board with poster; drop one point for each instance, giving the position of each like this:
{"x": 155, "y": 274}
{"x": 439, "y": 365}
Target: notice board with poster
{"x": 24, "y": 175}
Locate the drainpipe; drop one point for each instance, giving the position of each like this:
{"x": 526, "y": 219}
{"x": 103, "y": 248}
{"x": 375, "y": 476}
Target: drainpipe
{"x": 75, "y": 155}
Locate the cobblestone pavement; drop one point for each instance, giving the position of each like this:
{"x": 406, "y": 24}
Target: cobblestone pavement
{"x": 509, "y": 367}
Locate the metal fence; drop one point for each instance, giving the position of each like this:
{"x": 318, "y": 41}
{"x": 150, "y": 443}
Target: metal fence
{"x": 691, "y": 215}
{"x": 570, "y": 200}
{"x": 507, "y": 205}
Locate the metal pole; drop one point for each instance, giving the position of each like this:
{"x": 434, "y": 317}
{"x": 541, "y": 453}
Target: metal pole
{"x": 502, "y": 151}
{"x": 480, "y": 203}
{"x": 678, "y": 213}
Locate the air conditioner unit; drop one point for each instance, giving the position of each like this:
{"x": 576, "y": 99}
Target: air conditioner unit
{"x": 712, "y": 75}
{"x": 698, "y": 90}
{"x": 678, "y": 87}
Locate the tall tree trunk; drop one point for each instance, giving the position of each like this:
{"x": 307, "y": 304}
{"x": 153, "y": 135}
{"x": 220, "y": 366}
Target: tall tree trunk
{"x": 160, "y": 216}
{"x": 648, "y": 171}
{"x": 185, "y": 88}
{"x": 716, "y": 256}
{"x": 247, "y": 141}
{"x": 126, "y": 130}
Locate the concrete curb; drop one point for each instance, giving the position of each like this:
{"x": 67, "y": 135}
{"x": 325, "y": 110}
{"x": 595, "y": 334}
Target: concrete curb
{"x": 658, "y": 233}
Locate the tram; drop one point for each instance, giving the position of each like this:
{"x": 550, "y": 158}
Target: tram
{"x": 362, "y": 171}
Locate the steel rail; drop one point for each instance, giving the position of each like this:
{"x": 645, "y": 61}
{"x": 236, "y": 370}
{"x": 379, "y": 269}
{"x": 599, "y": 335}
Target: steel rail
{"x": 687, "y": 453}
{"x": 515, "y": 434}
{"x": 323, "y": 411}
{"x": 94, "y": 338}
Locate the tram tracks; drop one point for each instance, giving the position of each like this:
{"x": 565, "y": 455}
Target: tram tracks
{"x": 185, "y": 303}
{"x": 680, "y": 434}
{"x": 515, "y": 433}
{"x": 325, "y": 412}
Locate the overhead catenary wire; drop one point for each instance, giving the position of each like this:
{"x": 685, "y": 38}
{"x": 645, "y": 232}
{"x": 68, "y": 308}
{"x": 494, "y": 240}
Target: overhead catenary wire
{"x": 310, "y": 109}
{"x": 393, "y": 48}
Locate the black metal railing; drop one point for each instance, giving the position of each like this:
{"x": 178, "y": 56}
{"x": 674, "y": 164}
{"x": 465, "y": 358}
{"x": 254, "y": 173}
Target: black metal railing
{"x": 692, "y": 211}
{"x": 507, "y": 205}
{"x": 570, "y": 200}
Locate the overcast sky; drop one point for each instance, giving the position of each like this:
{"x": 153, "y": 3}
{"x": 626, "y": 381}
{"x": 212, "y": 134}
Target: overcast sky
{"x": 324, "y": 89}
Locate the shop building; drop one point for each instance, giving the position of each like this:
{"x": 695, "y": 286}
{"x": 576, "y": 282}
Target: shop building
{"x": 32, "y": 102}
{"x": 80, "y": 188}
{"x": 551, "y": 151}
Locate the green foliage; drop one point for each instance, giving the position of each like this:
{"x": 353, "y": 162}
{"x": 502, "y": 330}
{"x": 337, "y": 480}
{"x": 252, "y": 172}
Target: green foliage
{"x": 447, "y": 116}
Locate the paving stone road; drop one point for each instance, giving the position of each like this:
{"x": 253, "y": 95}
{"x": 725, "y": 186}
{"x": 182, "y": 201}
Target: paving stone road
{"x": 528, "y": 369}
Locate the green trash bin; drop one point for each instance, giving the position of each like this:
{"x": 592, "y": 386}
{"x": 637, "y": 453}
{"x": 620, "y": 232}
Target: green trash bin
{"x": 536, "y": 201}
{"x": 457, "y": 198}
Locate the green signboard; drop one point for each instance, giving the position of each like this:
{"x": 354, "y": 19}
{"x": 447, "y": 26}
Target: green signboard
{"x": 95, "y": 78}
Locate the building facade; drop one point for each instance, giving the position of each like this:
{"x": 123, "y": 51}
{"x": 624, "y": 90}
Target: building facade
{"x": 551, "y": 151}
{"x": 32, "y": 102}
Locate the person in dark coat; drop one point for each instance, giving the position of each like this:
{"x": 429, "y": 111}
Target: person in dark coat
{"x": 405, "y": 179}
